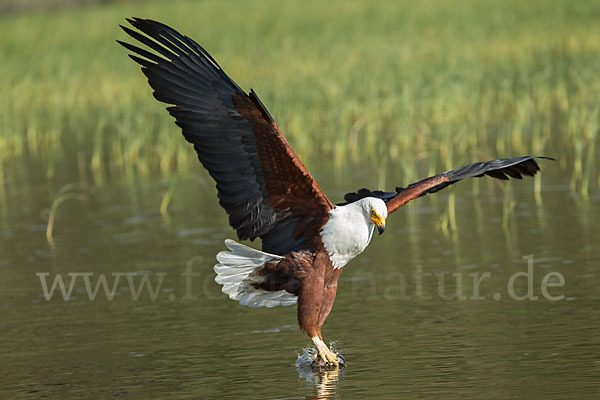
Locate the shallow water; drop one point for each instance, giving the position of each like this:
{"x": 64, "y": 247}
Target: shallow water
{"x": 400, "y": 331}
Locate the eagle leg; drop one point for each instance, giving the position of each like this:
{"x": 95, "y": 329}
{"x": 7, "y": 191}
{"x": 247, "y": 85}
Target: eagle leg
{"x": 315, "y": 301}
{"x": 327, "y": 356}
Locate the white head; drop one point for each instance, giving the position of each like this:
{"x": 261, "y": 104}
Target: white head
{"x": 375, "y": 212}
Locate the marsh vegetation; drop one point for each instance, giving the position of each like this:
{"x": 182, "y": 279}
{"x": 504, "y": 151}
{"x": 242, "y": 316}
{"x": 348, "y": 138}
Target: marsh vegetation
{"x": 413, "y": 88}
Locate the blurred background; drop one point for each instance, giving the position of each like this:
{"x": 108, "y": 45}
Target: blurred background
{"x": 95, "y": 176}
{"x": 396, "y": 86}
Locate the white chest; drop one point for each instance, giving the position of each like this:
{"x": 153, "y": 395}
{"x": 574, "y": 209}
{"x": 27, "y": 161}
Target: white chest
{"x": 346, "y": 234}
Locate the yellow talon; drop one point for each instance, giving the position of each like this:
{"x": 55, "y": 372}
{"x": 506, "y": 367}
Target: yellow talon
{"x": 327, "y": 356}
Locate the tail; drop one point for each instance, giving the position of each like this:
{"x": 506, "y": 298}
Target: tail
{"x": 233, "y": 272}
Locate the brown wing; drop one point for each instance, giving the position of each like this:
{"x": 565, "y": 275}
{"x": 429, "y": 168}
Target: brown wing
{"x": 261, "y": 182}
{"x": 499, "y": 169}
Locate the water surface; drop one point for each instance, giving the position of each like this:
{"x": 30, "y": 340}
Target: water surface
{"x": 401, "y": 338}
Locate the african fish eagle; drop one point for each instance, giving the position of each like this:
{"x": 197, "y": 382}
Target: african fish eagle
{"x": 267, "y": 191}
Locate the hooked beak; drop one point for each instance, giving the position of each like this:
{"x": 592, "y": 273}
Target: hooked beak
{"x": 381, "y": 228}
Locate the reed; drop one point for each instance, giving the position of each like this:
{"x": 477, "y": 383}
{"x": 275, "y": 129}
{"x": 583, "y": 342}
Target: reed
{"x": 409, "y": 86}
{"x": 70, "y": 191}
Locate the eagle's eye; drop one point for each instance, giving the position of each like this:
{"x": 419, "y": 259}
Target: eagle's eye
{"x": 373, "y": 213}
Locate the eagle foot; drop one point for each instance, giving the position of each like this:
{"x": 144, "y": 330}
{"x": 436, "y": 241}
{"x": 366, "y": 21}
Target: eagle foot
{"x": 333, "y": 361}
{"x": 325, "y": 358}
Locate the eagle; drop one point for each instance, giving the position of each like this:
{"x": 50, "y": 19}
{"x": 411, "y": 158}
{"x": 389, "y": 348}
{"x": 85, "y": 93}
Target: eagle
{"x": 267, "y": 191}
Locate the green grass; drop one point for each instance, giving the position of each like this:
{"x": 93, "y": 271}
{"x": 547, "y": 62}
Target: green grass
{"x": 417, "y": 86}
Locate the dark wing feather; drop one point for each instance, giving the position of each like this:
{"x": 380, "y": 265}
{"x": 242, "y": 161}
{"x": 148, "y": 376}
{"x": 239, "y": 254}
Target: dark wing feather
{"x": 261, "y": 182}
{"x": 500, "y": 169}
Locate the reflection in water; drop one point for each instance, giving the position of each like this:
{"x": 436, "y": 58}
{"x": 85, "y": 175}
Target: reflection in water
{"x": 324, "y": 381}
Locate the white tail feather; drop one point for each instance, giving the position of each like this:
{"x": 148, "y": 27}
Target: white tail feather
{"x": 236, "y": 265}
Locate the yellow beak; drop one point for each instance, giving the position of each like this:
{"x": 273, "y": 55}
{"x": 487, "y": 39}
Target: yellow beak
{"x": 379, "y": 223}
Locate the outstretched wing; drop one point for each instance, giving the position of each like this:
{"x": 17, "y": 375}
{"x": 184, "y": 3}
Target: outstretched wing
{"x": 500, "y": 169}
{"x": 261, "y": 182}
